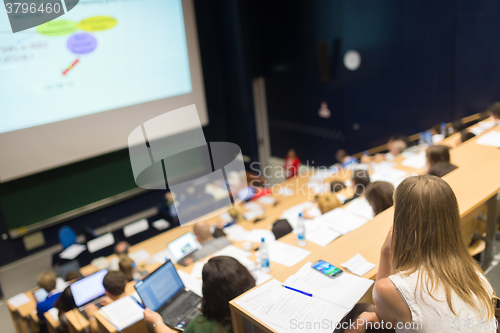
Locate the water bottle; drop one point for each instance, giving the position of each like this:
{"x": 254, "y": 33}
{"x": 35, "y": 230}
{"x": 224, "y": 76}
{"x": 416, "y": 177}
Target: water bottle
{"x": 301, "y": 231}
{"x": 264, "y": 256}
{"x": 136, "y": 274}
{"x": 443, "y": 130}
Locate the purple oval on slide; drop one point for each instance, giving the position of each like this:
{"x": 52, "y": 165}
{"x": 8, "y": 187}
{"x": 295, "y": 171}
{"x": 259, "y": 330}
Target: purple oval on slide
{"x": 81, "y": 43}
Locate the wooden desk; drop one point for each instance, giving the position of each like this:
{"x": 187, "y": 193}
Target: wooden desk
{"x": 475, "y": 182}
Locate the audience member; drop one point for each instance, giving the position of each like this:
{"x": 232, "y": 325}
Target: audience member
{"x": 360, "y": 180}
{"x": 494, "y": 112}
{"x": 126, "y": 266}
{"x": 324, "y": 202}
{"x": 457, "y": 126}
{"x": 440, "y": 169}
{"x": 336, "y": 186}
{"x": 114, "y": 283}
{"x": 122, "y": 247}
{"x": 167, "y": 209}
{"x": 394, "y": 146}
{"x": 209, "y": 244}
{"x": 426, "y": 274}
{"x": 224, "y": 279}
{"x": 344, "y": 159}
{"x": 47, "y": 280}
{"x": 437, "y": 153}
{"x": 464, "y": 136}
{"x": 379, "y": 196}
{"x": 72, "y": 275}
{"x": 64, "y": 304}
{"x": 292, "y": 164}
{"x": 436, "y": 133}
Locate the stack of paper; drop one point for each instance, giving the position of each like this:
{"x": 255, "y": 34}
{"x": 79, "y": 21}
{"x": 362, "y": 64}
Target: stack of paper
{"x": 191, "y": 283}
{"x": 390, "y": 175}
{"x": 54, "y": 313}
{"x": 416, "y": 161}
{"x": 490, "y": 139}
{"x": 286, "y": 255}
{"x": 320, "y": 233}
{"x": 236, "y": 233}
{"x": 253, "y": 214}
{"x": 225, "y": 217}
{"x": 358, "y": 265}
{"x": 163, "y": 256}
{"x": 260, "y": 277}
{"x": 266, "y": 200}
{"x": 285, "y": 310}
{"x": 122, "y": 313}
{"x": 72, "y": 251}
{"x": 256, "y": 235}
{"x": 341, "y": 221}
{"x": 19, "y": 300}
{"x": 360, "y": 207}
{"x": 252, "y": 206}
{"x": 139, "y": 256}
{"x": 486, "y": 125}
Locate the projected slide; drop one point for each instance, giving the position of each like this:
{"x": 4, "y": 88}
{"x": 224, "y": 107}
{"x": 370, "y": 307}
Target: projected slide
{"x": 100, "y": 56}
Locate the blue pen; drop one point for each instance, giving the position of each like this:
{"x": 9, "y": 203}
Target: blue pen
{"x": 299, "y": 291}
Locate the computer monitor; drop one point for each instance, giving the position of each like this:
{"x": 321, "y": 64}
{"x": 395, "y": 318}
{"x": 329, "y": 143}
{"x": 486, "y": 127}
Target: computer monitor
{"x": 160, "y": 286}
{"x": 88, "y": 289}
{"x": 182, "y": 246}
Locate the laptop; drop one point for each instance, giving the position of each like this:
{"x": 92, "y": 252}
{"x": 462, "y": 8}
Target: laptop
{"x": 40, "y": 295}
{"x": 89, "y": 290}
{"x": 182, "y": 247}
{"x": 163, "y": 291}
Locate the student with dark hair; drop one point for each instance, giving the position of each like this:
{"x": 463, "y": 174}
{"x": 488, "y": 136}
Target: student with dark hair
{"x": 379, "y": 196}
{"x": 336, "y": 186}
{"x": 464, "y": 136}
{"x": 441, "y": 169}
{"x": 494, "y": 112}
{"x": 360, "y": 180}
{"x": 64, "y": 304}
{"x": 126, "y": 266}
{"x": 436, "y": 154}
{"x": 436, "y": 133}
{"x": 344, "y": 159}
{"x": 224, "y": 279}
{"x": 426, "y": 275}
{"x": 209, "y": 243}
{"x": 457, "y": 126}
{"x": 114, "y": 283}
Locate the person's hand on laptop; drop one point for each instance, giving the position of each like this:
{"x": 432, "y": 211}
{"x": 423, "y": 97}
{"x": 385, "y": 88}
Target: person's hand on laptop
{"x": 154, "y": 319}
{"x": 105, "y": 301}
{"x": 91, "y": 310}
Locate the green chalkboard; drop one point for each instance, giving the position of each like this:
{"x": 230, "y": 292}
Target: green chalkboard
{"x": 38, "y": 197}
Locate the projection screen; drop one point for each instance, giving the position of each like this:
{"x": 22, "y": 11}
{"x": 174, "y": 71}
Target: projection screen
{"x": 75, "y": 87}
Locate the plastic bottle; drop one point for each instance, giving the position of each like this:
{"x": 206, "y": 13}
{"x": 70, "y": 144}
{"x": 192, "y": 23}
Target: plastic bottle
{"x": 301, "y": 231}
{"x": 264, "y": 256}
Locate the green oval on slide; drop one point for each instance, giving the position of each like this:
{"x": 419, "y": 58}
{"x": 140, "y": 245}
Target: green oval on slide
{"x": 57, "y": 28}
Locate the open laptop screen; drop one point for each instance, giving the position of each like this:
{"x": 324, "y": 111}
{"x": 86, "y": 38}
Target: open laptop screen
{"x": 182, "y": 246}
{"x": 160, "y": 286}
{"x": 89, "y": 288}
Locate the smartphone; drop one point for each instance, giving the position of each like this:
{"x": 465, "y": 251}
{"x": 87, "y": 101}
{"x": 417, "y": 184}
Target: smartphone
{"x": 327, "y": 269}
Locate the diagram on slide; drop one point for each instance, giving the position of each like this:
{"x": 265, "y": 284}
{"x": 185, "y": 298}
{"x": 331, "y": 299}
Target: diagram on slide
{"x": 101, "y": 56}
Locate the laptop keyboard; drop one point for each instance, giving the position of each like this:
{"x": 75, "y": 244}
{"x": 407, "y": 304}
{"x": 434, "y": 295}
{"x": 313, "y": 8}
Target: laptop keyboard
{"x": 184, "y": 307}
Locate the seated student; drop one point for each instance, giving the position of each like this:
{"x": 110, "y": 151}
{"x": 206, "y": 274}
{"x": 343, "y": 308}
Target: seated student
{"x": 360, "y": 180}
{"x": 494, "y": 112}
{"x": 114, "y": 283}
{"x": 336, "y": 186}
{"x": 122, "y": 247}
{"x": 441, "y": 169}
{"x": 457, "y": 126}
{"x": 395, "y": 148}
{"x": 224, "y": 279}
{"x": 464, "y": 136}
{"x": 167, "y": 209}
{"x": 437, "y": 153}
{"x": 47, "y": 280}
{"x": 325, "y": 202}
{"x": 379, "y": 196}
{"x": 209, "y": 244}
{"x": 344, "y": 159}
{"x": 292, "y": 164}
{"x": 426, "y": 276}
{"x": 64, "y": 304}
{"x": 126, "y": 266}
{"x": 436, "y": 133}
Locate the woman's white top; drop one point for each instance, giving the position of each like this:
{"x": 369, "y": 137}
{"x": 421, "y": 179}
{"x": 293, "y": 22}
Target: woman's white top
{"x": 430, "y": 315}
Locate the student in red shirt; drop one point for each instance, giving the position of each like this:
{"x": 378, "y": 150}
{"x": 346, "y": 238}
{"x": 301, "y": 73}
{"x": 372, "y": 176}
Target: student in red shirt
{"x": 292, "y": 163}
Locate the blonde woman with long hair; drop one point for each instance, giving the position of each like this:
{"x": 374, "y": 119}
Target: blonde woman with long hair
{"x": 427, "y": 281}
